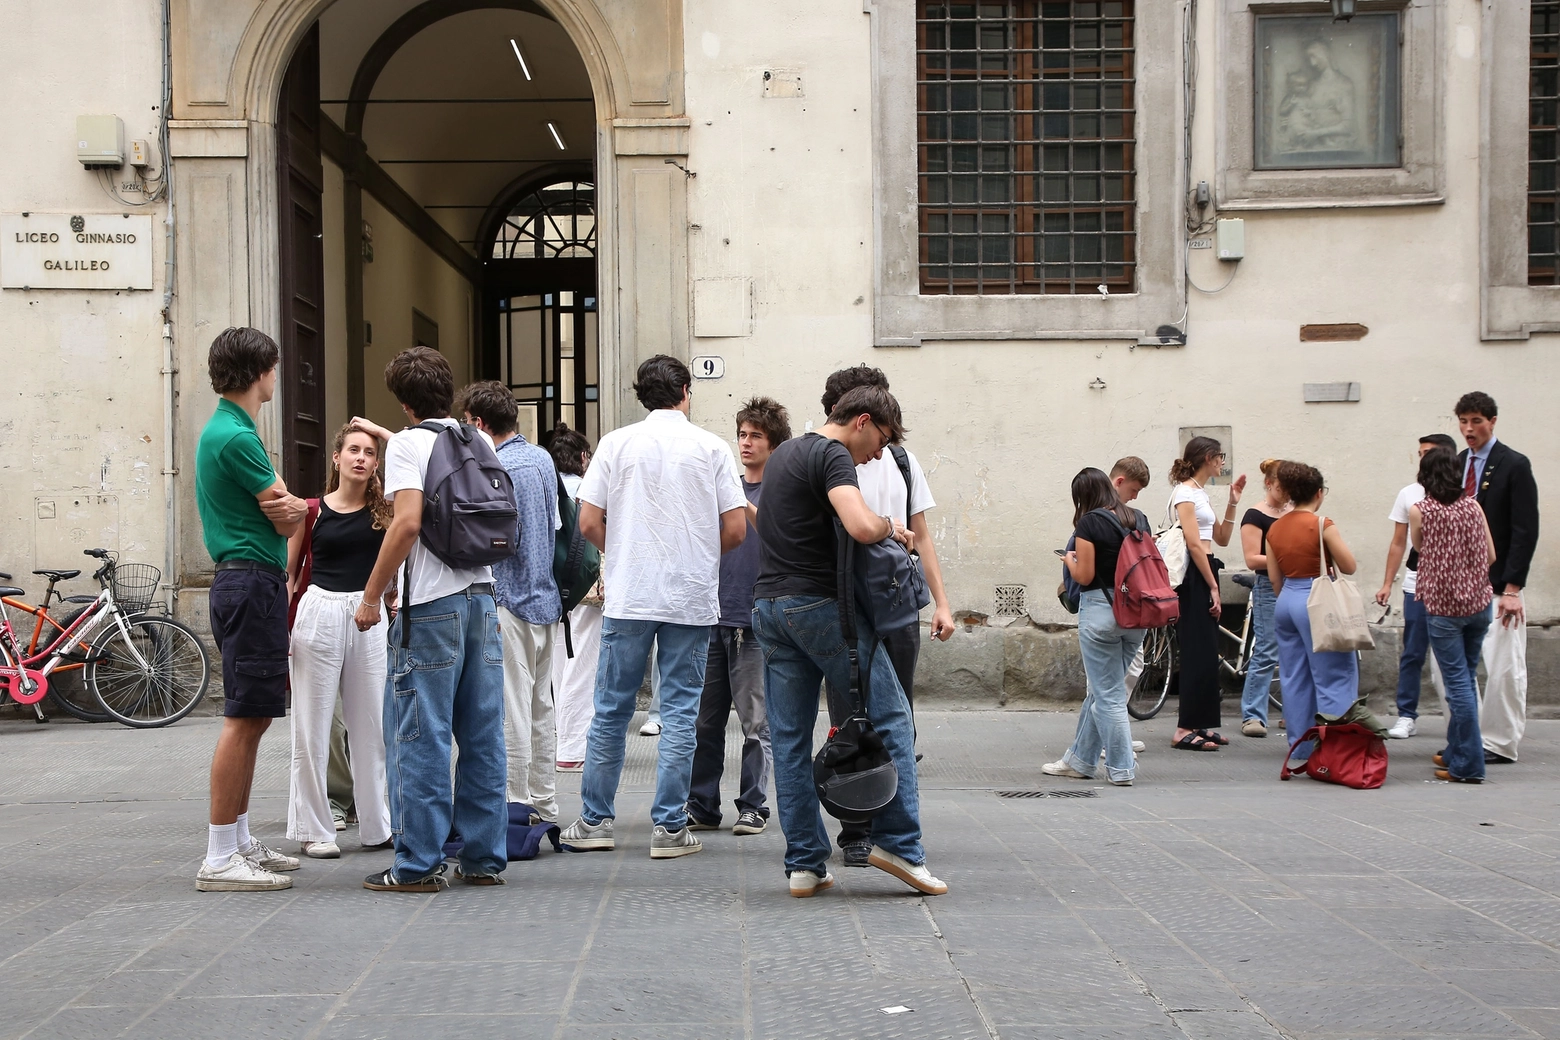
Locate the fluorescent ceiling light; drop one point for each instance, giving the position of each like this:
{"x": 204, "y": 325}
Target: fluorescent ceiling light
{"x": 557, "y": 137}
{"x": 520, "y": 57}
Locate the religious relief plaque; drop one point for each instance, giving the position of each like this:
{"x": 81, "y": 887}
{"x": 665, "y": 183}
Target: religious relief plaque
{"x": 75, "y": 251}
{"x": 1327, "y": 93}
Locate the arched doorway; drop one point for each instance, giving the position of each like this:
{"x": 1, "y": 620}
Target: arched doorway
{"x": 540, "y": 314}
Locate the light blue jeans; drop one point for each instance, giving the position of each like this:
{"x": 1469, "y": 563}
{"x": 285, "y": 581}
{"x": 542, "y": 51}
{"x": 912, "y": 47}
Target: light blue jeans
{"x": 1108, "y": 650}
{"x": 681, "y": 651}
{"x": 1325, "y": 682}
{"x": 803, "y": 646}
{"x": 1264, "y": 653}
{"x": 448, "y": 684}
{"x": 1457, "y": 643}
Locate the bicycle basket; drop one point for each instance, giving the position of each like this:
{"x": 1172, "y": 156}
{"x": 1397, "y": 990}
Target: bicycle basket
{"x": 135, "y": 586}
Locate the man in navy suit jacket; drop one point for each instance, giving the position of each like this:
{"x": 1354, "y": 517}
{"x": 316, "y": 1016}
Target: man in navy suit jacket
{"x": 1502, "y": 480}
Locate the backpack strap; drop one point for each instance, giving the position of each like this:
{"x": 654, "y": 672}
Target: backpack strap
{"x": 902, "y": 457}
{"x": 576, "y": 554}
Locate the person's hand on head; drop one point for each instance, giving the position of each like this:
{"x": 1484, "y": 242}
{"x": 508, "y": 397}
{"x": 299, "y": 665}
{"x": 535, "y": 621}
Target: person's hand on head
{"x": 373, "y": 429}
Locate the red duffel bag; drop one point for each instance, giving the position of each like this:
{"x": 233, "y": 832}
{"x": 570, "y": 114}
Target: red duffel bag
{"x": 1347, "y": 754}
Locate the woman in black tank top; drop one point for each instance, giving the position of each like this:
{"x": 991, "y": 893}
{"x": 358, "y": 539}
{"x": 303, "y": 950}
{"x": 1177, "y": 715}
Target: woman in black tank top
{"x": 329, "y": 561}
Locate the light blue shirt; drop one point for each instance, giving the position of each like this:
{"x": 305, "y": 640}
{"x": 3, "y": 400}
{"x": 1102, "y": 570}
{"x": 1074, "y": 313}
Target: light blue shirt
{"x": 524, "y": 582}
{"x": 1478, "y": 460}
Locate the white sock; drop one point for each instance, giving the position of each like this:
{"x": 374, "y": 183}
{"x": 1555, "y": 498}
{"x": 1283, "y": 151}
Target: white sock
{"x": 242, "y": 823}
{"x": 221, "y": 843}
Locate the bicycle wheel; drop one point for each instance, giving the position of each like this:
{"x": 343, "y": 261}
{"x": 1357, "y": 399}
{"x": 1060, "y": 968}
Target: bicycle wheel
{"x": 68, "y": 689}
{"x": 1159, "y": 665}
{"x": 160, "y": 682}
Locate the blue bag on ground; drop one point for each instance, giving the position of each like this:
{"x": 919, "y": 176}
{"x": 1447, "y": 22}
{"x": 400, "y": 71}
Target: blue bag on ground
{"x": 526, "y": 831}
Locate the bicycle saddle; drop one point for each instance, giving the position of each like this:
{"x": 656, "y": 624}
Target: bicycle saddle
{"x": 54, "y": 575}
{"x": 1244, "y": 580}
{"x": 12, "y": 590}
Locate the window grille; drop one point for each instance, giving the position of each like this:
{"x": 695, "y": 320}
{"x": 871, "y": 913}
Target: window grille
{"x": 556, "y": 221}
{"x": 1025, "y": 123}
{"x": 1010, "y": 601}
{"x": 1543, "y": 145}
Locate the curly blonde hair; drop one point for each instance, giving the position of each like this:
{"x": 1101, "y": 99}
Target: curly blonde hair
{"x": 374, "y": 494}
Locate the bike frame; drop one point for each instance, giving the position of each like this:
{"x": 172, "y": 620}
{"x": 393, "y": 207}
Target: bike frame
{"x": 79, "y": 631}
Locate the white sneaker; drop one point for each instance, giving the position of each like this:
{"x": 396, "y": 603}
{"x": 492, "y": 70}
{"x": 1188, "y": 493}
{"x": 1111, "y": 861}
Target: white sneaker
{"x": 912, "y": 874}
{"x": 241, "y": 874}
{"x": 1139, "y": 746}
{"x": 805, "y": 884}
{"x": 665, "y": 844}
{"x": 321, "y": 849}
{"x": 588, "y": 837}
{"x": 1403, "y": 728}
{"x": 650, "y": 729}
{"x": 267, "y": 858}
{"x": 1061, "y": 768}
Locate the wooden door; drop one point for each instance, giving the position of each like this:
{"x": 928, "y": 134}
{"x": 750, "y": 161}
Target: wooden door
{"x": 305, "y": 440}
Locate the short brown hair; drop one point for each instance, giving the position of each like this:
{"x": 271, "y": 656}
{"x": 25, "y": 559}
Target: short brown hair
{"x": 769, "y": 416}
{"x": 1133, "y": 468}
{"x": 238, "y": 357}
{"x": 872, "y": 401}
{"x": 493, "y": 403}
{"x": 847, "y": 379}
{"x": 420, "y": 378}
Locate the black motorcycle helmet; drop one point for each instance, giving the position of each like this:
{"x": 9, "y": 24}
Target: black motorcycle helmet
{"x": 853, "y": 773}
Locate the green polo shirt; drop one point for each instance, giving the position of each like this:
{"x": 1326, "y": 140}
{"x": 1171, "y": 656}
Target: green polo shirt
{"x": 231, "y": 468}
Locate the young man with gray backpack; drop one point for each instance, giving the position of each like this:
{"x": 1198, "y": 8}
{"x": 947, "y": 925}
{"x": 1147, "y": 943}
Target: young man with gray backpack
{"x": 454, "y": 516}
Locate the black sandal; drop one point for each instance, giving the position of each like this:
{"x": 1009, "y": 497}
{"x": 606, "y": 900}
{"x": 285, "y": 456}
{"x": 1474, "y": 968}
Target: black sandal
{"x": 1195, "y": 742}
{"x": 1216, "y": 737}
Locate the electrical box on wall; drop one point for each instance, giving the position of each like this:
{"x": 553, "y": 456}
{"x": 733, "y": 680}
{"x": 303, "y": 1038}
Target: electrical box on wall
{"x": 1229, "y": 238}
{"x": 100, "y": 141}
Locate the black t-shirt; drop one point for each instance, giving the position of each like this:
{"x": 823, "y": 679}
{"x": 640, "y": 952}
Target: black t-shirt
{"x": 1105, "y": 533}
{"x": 345, "y": 547}
{"x": 1258, "y": 519}
{"x": 796, "y": 520}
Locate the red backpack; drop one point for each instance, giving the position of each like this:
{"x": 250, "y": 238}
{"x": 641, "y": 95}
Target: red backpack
{"x": 1142, "y": 596}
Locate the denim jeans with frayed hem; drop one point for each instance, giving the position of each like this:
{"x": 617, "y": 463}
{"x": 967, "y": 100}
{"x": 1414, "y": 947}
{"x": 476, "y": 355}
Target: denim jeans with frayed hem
{"x": 1416, "y": 644}
{"x": 681, "y": 652}
{"x": 803, "y": 646}
{"x": 1264, "y": 653}
{"x": 1457, "y": 642}
{"x": 448, "y": 684}
{"x": 1108, "y": 649}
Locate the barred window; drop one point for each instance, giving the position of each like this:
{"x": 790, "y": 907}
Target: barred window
{"x": 1543, "y": 138}
{"x": 1025, "y": 123}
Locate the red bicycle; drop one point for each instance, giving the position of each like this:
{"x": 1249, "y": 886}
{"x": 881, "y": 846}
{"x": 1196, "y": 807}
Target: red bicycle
{"x": 143, "y": 670}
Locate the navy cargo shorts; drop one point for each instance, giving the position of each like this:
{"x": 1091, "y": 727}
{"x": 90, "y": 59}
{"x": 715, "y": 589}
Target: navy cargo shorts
{"x": 249, "y": 623}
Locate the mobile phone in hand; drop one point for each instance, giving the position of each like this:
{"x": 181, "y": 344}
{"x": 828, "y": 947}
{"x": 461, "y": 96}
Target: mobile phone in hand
{"x": 1060, "y": 552}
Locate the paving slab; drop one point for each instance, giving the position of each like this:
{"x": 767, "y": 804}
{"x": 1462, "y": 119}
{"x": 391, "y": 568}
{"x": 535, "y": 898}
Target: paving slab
{"x": 1209, "y": 901}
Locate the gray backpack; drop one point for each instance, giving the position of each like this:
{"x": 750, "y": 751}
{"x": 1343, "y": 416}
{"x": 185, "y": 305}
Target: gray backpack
{"x": 469, "y": 515}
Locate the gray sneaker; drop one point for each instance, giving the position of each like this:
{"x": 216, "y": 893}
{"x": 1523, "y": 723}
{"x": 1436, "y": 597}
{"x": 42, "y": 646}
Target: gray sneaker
{"x": 589, "y": 837}
{"x": 665, "y": 844}
{"x": 267, "y": 858}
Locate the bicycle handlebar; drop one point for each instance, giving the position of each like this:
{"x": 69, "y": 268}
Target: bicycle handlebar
{"x": 97, "y": 554}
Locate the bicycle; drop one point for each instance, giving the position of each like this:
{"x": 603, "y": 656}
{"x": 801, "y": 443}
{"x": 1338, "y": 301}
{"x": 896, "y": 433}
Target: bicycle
{"x": 144, "y": 670}
{"x": 66, "y": 689}
{"x": 1235, "y": 649}
{"x": 1161, "y": 660}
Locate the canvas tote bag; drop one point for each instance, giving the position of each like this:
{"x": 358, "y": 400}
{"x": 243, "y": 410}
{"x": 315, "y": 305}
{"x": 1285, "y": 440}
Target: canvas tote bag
{"x": 1336, "y": 610}
{"x": 1171, "y": 544}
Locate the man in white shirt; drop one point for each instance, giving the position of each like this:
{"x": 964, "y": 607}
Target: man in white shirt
{"x": 894, "y": 485}
{"x": 1416, "y": 631}
{"x": 662, "y": 500}
{"x": 446, "y": 676}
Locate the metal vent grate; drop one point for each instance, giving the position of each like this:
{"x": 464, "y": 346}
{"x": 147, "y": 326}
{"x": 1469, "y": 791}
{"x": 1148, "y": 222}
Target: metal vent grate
{"x": 1075, "y": 793}
{"x": 1010, "y": 601}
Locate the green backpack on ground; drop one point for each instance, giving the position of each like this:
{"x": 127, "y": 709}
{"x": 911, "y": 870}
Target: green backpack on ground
{"x": 576, "y": 563}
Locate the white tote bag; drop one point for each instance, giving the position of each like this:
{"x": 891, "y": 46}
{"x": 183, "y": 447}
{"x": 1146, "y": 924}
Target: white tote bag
{"x": 1171, "y": 543}
{"x": 1336, "y": 610}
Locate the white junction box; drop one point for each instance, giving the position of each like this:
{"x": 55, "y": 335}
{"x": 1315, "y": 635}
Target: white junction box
{"x": 100, "y": 140}
{"x": 1229, "y": 238}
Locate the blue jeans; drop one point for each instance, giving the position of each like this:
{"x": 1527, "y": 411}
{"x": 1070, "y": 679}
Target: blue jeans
{"x": 803, "y": 646}
{"x": 681, "y": 651}
{"x": 1411, "y": 666}
{"x": 1326, "y": 682}
{"x": 448, "y": 683}
{"x": 1264, "y": 653}
{"x": 1108, "y": 650}
{"x": 1457, "y": 642}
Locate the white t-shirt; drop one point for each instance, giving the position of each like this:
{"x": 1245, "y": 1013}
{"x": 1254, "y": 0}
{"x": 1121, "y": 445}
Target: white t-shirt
{"x": 1198, "y": 497}
{"x": 664, "y": 483}
{"x": 406, "y": 467}
{"x": 883, "y": 486}
{"x": 1407, "y": 498}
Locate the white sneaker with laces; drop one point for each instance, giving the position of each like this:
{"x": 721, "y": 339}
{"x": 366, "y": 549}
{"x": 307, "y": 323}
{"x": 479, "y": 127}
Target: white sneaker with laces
{"x": 805, "y": 884}
{"x": 321, "y": 849}
{"x": 651, "y": 728}
{"x": 267, "y": 858}
{"x": 1061, "y": 768}
{"x": 240, "y": 874}
{"x": 1403, "y": 728}
{"x": 913, "y": 874}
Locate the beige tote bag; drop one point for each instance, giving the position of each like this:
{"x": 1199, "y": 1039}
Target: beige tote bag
{"x": 1336, "y": 610}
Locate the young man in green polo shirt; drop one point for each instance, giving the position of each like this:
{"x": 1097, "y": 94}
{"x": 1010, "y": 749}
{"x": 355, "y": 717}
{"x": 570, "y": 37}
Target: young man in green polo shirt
{"x": 246, "y": 516}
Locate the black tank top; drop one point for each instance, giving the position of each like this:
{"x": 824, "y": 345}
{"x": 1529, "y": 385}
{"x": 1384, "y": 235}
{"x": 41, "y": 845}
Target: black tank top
{"x": 345, "y": 547}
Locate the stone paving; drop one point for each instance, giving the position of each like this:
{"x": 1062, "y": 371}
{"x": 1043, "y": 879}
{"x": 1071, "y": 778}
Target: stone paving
{"x": 1208, "y": 901}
